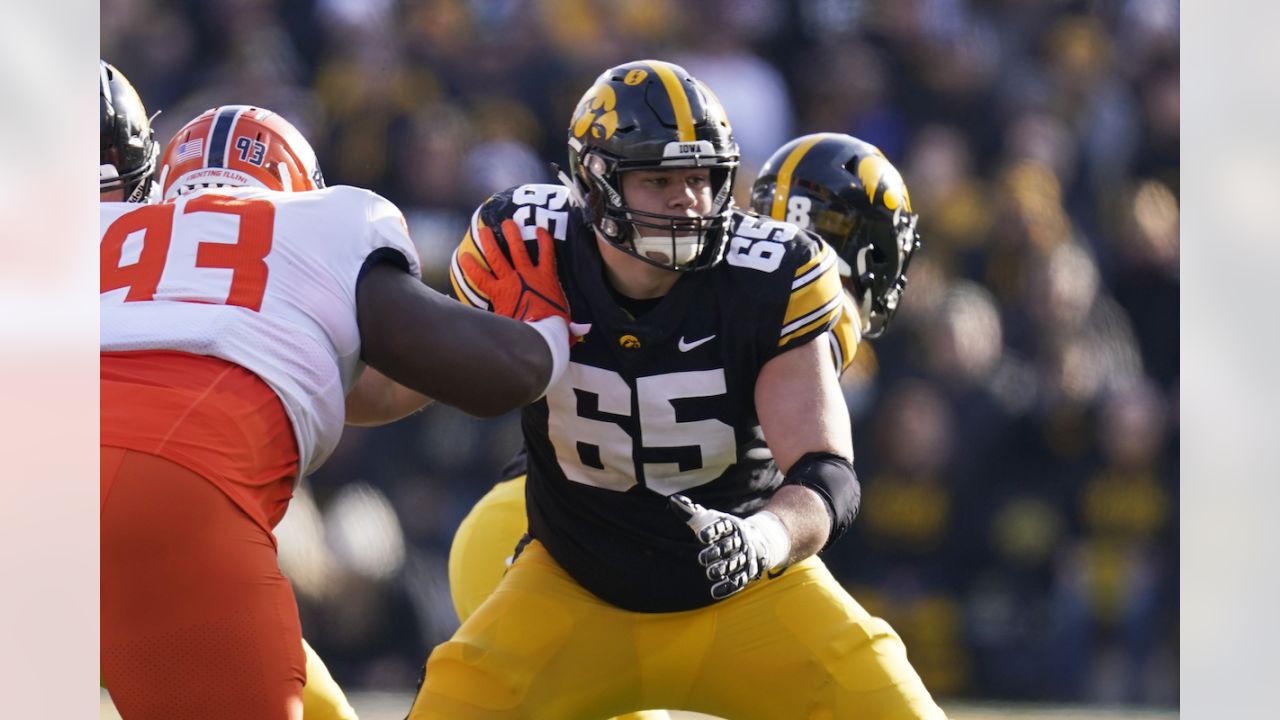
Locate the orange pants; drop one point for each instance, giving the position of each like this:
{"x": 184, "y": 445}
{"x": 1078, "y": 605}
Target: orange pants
{"x": 198, "y": 622}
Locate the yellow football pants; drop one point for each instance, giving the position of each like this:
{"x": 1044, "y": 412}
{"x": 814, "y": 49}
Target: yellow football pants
{"x": 797, "y": 646}
{"x": 483, "y": 545}
{"x": 322, "y": 699}
{"x": 482, "y": 549}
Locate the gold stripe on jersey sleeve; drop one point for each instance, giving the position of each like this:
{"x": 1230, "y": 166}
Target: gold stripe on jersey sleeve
{"x": 824, "y": 315}
{"x": 778, "y": 211}
{"x": 463, "y": 288}
{"x": 837, "y": 353}
{"x": 846, "y": 335}
{"x": 679, "y": 101}
{"x": 813, "y": 270}
{"x": 816, "y": 295}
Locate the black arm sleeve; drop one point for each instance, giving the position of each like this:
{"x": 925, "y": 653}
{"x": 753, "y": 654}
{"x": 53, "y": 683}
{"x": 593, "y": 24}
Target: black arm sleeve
{"x": 833, "y": 478}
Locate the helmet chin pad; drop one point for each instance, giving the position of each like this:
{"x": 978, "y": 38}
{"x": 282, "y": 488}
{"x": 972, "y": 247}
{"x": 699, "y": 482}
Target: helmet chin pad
{"x": 659, "y": 248}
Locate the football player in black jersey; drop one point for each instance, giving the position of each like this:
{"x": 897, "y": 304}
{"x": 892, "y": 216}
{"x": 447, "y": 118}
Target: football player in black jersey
{"x": 671, "y": 552}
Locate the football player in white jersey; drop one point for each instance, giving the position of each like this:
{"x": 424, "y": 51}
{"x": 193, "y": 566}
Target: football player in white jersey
{"x": 128, "y": 155}
{"x": 237, "y": 318}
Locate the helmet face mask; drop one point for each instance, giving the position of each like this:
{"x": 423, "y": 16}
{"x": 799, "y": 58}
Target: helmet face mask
{"x": 239, "y": 146}
{"x": 652, "y": 115}
{"x": 848, "y": 193}
{"x": 884, "y": 252}
{"x": 128, "y": 150}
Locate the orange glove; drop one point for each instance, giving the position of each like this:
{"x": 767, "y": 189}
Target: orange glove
{"x": 519, "y": 289}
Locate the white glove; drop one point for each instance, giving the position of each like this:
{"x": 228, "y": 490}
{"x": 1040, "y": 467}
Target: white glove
{"x": 736, "y": 551}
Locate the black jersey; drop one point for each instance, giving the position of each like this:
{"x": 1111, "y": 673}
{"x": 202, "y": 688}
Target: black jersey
{"x": 658, "y": 404}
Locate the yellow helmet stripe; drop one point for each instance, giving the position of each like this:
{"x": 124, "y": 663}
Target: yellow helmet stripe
{"x": 783, "y": 187}
{"x": 679, "y": 101}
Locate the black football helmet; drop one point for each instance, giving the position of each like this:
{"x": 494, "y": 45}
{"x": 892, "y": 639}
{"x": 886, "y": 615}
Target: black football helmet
{"x": 652, "y": 115}
{"x": 129, "y": 148}
{"x": 847, "y": 192}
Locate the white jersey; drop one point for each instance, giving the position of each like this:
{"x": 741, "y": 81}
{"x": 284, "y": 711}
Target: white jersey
{"x": 263, "y": 279}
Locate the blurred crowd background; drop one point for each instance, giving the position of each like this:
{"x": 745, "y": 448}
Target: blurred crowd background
{"x": 1016, "y": 429}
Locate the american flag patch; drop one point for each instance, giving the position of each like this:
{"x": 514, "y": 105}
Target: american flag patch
{"x": 190, "y": 149}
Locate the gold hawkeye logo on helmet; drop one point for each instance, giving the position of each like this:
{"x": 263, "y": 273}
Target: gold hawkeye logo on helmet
{"x": 877, "y": 172}
{"x": 595, "y": 113}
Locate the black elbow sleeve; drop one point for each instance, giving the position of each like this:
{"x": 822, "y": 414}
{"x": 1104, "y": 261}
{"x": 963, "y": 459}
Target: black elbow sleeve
{"x": 833, "y": 478}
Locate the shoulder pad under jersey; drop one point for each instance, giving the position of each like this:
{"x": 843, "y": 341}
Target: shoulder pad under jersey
{"x": 792, "y": 275}
{"x": 532, "y": 206}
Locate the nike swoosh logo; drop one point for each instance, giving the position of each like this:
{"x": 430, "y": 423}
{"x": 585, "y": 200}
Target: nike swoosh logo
{"x": 687, "y": 346}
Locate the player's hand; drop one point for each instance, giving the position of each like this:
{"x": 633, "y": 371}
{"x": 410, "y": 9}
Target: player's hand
{"x": 735, "y": 551}
{"x": 521, "y": 288}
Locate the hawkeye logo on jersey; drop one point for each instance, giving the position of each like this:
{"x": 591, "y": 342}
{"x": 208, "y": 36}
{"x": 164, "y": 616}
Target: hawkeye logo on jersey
{"x": 595, "y": 113}
{"x": 686, "y": 346}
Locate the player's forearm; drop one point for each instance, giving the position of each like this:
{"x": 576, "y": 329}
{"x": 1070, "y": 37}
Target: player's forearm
{"x": 480, "y": 363}
{"x": 377, "y": 400}
{"x": 805, "y": 516}
{"x": 491, "y": 365}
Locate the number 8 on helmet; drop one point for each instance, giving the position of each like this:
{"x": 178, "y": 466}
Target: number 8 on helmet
{"x": 847, "y": 192}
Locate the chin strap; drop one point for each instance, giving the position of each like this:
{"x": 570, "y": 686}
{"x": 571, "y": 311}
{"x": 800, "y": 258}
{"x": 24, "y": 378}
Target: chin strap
{"x": 575, "y": 193}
